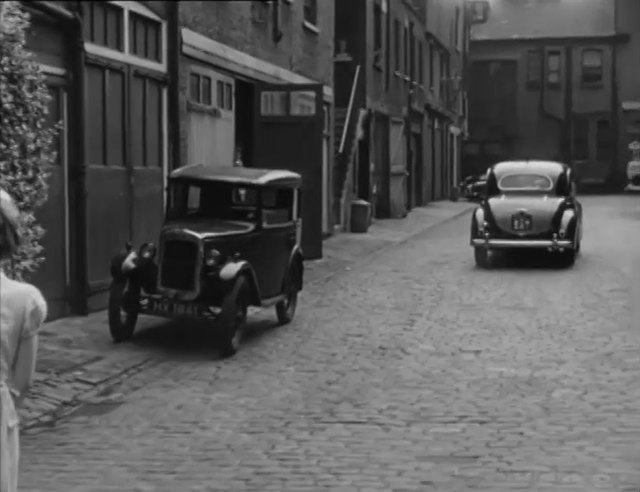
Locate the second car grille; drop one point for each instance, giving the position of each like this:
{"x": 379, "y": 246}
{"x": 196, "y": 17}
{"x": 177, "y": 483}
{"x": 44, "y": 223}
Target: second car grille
{"x": 178, "y": 268}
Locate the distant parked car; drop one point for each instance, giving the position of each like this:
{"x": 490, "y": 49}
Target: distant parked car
{"x": 528, "y": 204}
{"x": 230, "y": 240}
{"x": 473, "y": 187}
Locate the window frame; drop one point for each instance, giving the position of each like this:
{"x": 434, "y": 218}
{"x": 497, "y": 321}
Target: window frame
{"x": 125, "y": 55}
{"x": 557, "y": 71}
{"x": 310, "y": 15}
{"x": 586, "y": 70}
{"x": 291, "y": 209}
{"x": 378, "y": 36}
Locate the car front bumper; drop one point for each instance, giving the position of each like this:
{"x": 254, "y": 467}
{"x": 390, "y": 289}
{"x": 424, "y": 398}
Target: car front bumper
{"x": 549, "y": 244}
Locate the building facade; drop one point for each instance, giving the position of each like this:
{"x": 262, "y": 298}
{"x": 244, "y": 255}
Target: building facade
{"x": 142, "y": 88}
{"x": 398, "y": 98}
{"x": 255, "y": 87}
{"x": 545, "y": 85}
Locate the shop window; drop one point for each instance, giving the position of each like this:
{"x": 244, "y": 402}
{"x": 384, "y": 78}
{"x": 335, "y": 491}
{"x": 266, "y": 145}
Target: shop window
{"x": 200, "y": 89}
{"x": 103, "y": 24}
{"x": 194, "y": 88}
{"x": 580, "y": 139}
{"x": 592, "y": 67}
{"x": 228, "y": 96}
{"x": 311, "y": 11}
{"x": 206, "y": 90}
{"x": 144, "y": 37}
{"x": 534, "y": 69}
{"x": 553, "y": 68}
{"x": 303, "y": 103}
{"x": 273, "y": 103}
{"x": 603, "y": 140}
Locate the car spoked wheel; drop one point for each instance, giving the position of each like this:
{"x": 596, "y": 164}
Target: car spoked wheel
{"x": 286, "y": 309}
{"x": 233, "y": 318}
{"x": 482, "y": 257}
{"x": 123, "y": 314}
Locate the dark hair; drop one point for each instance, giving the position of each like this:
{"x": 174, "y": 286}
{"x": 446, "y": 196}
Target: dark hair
{"x": 9, "y": 222}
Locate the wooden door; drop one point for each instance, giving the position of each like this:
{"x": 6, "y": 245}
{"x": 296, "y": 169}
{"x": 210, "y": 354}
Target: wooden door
{"x": 147, "y": 154}
{"x": 288, "y": 134}
{"x": 53, "y": 277}
{"x": 593, "y": 144}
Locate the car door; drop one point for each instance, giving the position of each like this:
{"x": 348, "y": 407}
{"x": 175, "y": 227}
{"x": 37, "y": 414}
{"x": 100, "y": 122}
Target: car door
{"x": 276, "y": 239}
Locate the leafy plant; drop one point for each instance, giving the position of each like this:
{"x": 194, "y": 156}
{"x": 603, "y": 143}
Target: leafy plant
{"x": 27, "y": 137}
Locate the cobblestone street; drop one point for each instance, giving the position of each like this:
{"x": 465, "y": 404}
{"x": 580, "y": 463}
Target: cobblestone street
{"x": 412, "y": 371}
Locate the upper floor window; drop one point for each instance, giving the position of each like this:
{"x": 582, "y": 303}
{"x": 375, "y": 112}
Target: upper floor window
{"x": 534, "y": 68}
{"x": 396, "y": 44}
{"x": 456, "y": 30}
{"x": 311, "y": 11}
{"x": 432, "y": 55}
{"x": 592, "y": 66}
{"x": 421, "y": 62}
{"x": 553, "y": 68}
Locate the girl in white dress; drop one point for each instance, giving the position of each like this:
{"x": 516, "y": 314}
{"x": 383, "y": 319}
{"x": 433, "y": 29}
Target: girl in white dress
{"x": 22, "y": 311}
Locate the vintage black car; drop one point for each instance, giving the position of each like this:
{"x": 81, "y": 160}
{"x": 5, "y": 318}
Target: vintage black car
{"x": 230, "y": 240}
{"x": 472, "y": 187}
{"x": 528, "y": 204}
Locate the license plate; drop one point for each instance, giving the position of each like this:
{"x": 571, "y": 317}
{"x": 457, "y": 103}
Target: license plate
{"x": 521, "y": 223}
{"x": 173, "y": 308}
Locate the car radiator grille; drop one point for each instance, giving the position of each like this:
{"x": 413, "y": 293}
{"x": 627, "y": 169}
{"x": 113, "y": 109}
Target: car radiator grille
{"x": 178, "y": 268}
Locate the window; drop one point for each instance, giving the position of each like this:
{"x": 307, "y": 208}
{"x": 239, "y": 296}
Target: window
{"x": 603, "y": 140}
{"x": 396, "y": 44}
{"x": 592, "y": 66}
{"x": 103, "y": 24}
{"x": 144, "y": 37}
{"x": 456, "y": 30}
{"x": 273, "y": 103}
{"x": 54, "y": 117}
{"x": 200, "y": 89}
{"x": 277, "y": 207}
{"x": 377, "y": 35}
{"x": 302, "y": 103}
{"x": 553, "y": 68}
{"x": 311, "y": 11}
{"x": 405, "y": 45}
{"x": 525, "y": 182}
{"x": 228, "y": 96}
{"x": 534, "y": 68}
{"x": 580, "y": 139}
{"x": 220, "y": 93}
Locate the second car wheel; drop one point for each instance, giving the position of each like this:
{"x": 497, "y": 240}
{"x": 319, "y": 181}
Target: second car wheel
{"x": 123, "y": 314}
{"x": 233, "y": 318}
{"x": 286, "y": 309}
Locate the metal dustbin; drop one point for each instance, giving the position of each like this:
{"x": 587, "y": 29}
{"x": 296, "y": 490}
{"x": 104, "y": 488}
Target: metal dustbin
{"x": 360, "y": 215}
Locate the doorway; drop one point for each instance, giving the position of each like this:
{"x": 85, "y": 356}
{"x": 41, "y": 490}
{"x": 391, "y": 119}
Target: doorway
{"x": 244, "y": 98}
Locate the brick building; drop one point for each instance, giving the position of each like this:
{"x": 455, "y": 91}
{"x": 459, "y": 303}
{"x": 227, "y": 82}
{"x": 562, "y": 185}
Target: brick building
{"x": 255, "y": 84}
{"x": 545, "y": 85}
{"x": 392, "y": 55}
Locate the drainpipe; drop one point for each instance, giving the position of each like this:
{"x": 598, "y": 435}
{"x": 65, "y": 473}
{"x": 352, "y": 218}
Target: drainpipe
{"x": 568, "y": 104}
{"x": 615, "y": 103}
{"x": 173, "y": 54}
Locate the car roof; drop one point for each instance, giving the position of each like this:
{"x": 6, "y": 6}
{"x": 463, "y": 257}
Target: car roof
{"x": 551, "y": 168}
{"x": 240, "y": 175}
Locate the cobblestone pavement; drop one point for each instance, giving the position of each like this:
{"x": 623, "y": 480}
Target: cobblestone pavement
{"x": 413, "y": 371}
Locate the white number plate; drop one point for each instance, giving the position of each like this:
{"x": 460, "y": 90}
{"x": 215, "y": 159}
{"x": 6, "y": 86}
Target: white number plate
{"x": 172, "y": 308}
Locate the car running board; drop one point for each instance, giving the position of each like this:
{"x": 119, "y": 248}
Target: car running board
{"x": 272, "y": 301}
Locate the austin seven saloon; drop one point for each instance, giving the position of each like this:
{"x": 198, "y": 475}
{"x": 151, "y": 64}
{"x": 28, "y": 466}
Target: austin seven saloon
{"x": 528, "y": 204}
{"x": 230, "y": 240}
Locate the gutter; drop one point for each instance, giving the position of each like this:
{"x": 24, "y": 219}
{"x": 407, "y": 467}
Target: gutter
{"x": 52, "y": 9}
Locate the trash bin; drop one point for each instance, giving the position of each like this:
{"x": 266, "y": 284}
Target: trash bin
{"x": 360, "y": 216}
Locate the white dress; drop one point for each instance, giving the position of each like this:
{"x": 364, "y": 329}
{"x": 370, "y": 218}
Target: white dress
{"x": 22, "y": 311}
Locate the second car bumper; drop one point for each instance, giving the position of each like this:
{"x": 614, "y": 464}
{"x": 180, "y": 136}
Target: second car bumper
{"x": 551, "y": 244}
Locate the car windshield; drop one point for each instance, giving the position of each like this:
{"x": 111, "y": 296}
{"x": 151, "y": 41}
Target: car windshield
{"x": 529, "y": 182}
{"x": 226, "y": 201}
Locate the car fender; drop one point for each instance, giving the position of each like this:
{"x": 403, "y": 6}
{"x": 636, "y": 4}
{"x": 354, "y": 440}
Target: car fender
{"x": 233, "y": 269}
{"x": 479, "y": 218}
{"x": 568, "y": 216}
{"x": 122, "y": 264}
{"x": 296, "y": 260}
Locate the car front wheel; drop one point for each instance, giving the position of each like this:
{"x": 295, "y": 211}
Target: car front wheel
{"x": 286, "y": 309}
{"x": 233, "y": 318}
{"x": 123, "y": 314}
{"x": 481, "y": 256}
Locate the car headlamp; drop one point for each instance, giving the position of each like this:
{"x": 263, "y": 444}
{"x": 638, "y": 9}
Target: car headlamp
{"x": 212, "y": 258}
{"x": 147, "y": 251}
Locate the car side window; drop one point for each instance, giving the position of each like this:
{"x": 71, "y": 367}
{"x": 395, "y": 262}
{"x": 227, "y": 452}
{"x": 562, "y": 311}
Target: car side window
{"x": 277, "y": 207}
{"x": 193, "y": 199}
